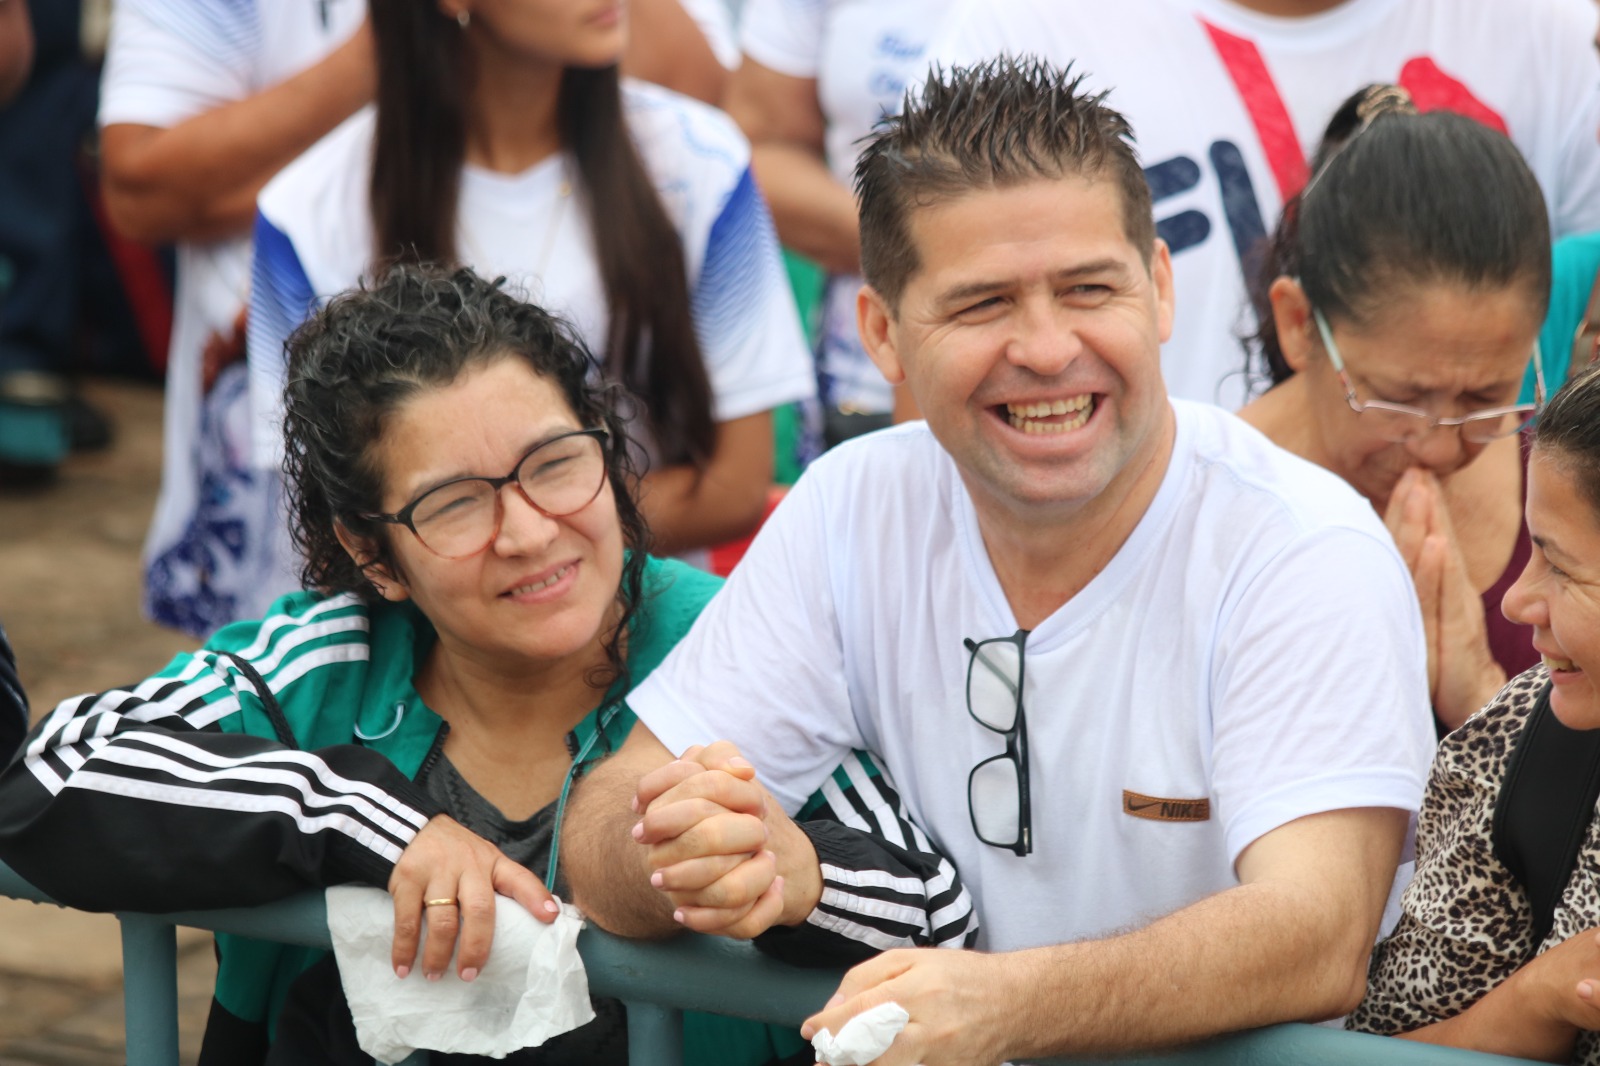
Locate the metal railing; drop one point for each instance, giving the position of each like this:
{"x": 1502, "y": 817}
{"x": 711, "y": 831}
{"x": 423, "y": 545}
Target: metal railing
{"x": 657, "y": 982}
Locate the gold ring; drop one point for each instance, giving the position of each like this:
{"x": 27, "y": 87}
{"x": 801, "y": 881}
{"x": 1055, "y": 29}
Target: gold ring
{"x": 448, "y": 901}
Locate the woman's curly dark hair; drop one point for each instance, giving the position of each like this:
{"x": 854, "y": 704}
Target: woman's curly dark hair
{"x": 411, "y": 330}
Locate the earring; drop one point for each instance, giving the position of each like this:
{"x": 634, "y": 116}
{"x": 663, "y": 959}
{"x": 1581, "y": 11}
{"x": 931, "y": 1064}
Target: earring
{"x": 463, "y": 17}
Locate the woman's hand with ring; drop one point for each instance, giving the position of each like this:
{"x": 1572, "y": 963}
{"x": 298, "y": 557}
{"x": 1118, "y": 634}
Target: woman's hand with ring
{"x": 453, "y": 875}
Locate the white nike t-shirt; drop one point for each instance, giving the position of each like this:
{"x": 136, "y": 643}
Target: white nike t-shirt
{"x": 1252, "y": 654}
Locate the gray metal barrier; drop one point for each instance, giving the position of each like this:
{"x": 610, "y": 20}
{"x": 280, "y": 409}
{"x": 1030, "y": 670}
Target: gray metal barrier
{"x": 658, "y": 981}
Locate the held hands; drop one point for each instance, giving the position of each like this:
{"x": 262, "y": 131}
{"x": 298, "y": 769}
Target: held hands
{"x": 712, "y": 835}
{"x": 447, "y": 861}
{"x": 1462, "y": 673}
{"x": 957, "y": 1001}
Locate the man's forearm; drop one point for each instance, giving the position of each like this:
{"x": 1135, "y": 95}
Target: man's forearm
{"x": 1253, "y": 955}
{"x": 607, "y": 872}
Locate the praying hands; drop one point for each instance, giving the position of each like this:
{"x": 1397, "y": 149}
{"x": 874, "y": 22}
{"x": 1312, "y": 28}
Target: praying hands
{"x": 1462, "y": 672}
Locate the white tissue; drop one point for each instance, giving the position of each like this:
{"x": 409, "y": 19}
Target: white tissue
{"x": 864, "y": 1038}
{"x": 532, "y": 988}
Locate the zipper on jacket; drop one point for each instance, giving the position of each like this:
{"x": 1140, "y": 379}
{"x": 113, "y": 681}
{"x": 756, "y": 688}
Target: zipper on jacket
{"x": 434, "y": 751}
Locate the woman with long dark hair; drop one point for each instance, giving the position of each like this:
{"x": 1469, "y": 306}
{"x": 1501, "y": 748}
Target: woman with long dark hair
{"x": 503, "y": 139}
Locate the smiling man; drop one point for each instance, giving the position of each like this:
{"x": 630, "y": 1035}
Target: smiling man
{"x": 1155, "y": 685}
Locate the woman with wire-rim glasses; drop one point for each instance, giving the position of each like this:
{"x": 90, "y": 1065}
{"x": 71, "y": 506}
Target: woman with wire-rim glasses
{"x": 1401, "y": 301}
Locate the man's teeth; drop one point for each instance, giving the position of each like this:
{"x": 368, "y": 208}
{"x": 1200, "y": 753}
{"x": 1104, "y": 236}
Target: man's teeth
{"x": 546, "y": 583}
{"x": 1552, "y": 663}
{"x": 1023, "y": 415}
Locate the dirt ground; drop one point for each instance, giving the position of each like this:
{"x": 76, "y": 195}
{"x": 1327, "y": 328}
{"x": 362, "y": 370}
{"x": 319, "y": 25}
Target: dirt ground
{"x": 69, "y": 599}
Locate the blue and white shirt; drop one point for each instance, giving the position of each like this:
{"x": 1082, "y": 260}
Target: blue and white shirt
{"x": 169, "y": 61}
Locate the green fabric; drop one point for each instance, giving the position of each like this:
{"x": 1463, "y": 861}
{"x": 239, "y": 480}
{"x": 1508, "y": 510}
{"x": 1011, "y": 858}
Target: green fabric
{"x": 1575, "y": 261}
{"x": 841, "y": 779}
{"x": 809, "y": 283}
{"x": 711, "y": 1040}
{"x": 328, "y": 704}
{"x": 786, "y": 429}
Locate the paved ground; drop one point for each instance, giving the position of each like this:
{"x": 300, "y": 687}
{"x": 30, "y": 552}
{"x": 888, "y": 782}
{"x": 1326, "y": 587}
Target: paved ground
{"x": 69, "y": 595}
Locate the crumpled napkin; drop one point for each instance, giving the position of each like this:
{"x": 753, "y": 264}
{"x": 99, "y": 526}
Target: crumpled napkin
{"x": 864, "y": 1038}
{"x": 532, "y": 988}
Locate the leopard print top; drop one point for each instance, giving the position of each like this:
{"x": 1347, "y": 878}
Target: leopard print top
{"x": 1466, "y": 923}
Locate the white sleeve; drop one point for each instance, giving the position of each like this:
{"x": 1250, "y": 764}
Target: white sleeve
{"x": 1575, "y": 201}
{"x": 784, "y": 35}
{"x": 1319, "y": 688}
{"x": 744, "y": 312}
{"x": 169, "y": 60}
{"x": 763, "y": 665}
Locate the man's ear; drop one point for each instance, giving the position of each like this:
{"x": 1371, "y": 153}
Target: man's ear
{"x": 1291, "y": 314}
{"x": 364, "y": 554}
{"x": 875, "y": 319}
{"x": 1166, "y": 294}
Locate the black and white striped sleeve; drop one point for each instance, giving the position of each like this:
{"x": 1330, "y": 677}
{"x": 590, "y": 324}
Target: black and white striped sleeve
{"x": 884, "y": 884}
{"x": 138, "y": 799}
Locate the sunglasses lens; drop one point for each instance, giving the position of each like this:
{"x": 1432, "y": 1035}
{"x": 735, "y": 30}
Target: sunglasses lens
{"x": 995, "y": 796}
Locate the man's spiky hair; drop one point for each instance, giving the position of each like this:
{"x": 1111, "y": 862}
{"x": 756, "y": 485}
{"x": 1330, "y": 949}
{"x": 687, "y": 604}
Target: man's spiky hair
{"x": 999, "y": 123}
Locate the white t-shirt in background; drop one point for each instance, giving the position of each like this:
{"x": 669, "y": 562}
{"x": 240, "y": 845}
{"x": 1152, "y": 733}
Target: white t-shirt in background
{"x": 168, "y": 61}
{"x": 1255, "y": 645}
{"x": 862, "y": 55}
{"x": 1528, "y": 67}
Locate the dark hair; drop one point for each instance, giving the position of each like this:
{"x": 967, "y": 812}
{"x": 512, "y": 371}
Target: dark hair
{"x": 1568, "y": 431}
{"x": 996, "y": 124}
{"x": 1398, "y": 197}
{"x": 356, "y": 362}
{"x": 424, "y": 82}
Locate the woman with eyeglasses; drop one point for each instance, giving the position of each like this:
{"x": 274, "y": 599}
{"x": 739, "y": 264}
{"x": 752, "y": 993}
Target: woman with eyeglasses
{"x": 1401, "y": 301}
{"x": 460, "y": 485}
{"x": 1498, "y": 945}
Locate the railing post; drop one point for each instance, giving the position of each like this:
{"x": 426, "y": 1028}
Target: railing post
{"x": 655, "y": 1035}
{"x": 150, "y": 990}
